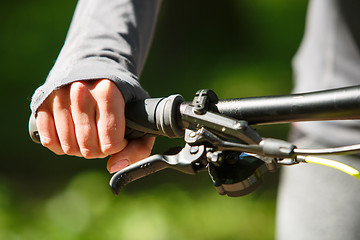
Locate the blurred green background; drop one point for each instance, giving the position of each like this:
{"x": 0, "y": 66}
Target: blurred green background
{"x": 238, "y": 48}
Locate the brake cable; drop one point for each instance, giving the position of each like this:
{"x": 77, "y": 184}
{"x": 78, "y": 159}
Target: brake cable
{"x": 323, "y": 151}
{"x": 333, "y": 164}
{"x": 308, "y": 156}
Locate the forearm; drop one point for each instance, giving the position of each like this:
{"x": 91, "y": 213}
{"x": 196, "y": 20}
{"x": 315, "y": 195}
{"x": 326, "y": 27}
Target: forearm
{"x": 107, "y": 39}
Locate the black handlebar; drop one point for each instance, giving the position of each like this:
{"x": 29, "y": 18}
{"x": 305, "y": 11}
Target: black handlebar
{"x": 335, "y": 104}
{"x": 163, "y": 116}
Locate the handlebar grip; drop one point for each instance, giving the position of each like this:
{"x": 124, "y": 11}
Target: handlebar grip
{"x": 135, "y": 171}
{"x": 154, "y": 117}
{"x": 148, "y": 117}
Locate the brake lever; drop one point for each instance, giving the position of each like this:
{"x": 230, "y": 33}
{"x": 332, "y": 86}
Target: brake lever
{"x": 194, "y": 155}
{"x": 190, "y": 160}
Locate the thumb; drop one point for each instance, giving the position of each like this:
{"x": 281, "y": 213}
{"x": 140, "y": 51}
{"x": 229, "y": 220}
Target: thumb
{"x": 136, "y": 150}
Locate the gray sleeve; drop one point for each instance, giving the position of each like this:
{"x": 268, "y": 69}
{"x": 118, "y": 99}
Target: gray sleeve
{"x": 329, "y": 58}
{"x": 106, "y": 39}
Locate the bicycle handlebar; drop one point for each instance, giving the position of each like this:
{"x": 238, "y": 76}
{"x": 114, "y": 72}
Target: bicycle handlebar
{"x": 335, "y": 104}
{"x": 217, "y": 134}
{"x": 163, "y": 116}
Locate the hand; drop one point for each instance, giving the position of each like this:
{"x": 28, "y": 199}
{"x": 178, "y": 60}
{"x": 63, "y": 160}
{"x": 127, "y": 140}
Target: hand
{"x": 87, "y": 119}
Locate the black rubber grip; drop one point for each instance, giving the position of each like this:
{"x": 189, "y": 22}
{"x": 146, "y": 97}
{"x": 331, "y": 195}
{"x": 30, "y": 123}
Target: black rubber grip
{"x": 154, "y": 117}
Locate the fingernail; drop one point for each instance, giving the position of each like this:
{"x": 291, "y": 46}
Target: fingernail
{"x": 119, "y": 165}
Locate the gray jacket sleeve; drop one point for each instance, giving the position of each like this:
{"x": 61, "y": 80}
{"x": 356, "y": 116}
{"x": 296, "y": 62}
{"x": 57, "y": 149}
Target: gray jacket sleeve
{"x": 106, "y": 39}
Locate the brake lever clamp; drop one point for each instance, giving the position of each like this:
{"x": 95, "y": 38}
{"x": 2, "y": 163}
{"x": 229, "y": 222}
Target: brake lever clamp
{"x": 233, "y": 172}
{"x": 203, "y": 100}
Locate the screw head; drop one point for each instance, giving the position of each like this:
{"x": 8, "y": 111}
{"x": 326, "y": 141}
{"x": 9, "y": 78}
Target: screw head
{"x": 194, "y": 149}
{"x": 192, "y": 134}
{"x": 215, "y": 158}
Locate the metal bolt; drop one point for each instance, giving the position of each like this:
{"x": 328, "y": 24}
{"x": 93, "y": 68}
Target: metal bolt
{"x": 192, "y": 134}
{"x": 194, "y": 149}
{"x": 215, "y": 158}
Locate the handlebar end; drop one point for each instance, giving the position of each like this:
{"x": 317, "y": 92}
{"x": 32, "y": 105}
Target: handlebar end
{"x": 34, "y": 134}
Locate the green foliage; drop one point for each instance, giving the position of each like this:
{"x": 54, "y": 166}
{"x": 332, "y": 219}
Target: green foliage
{"x": 84, "y": 209}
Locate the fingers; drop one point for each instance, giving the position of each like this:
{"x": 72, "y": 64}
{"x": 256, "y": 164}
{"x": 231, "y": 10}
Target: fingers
{"x": 135, "y": 151}
{"x": 83, "y": 110}
{"x": 63, "y": 120}
{"x": 84, "y": 119}
{"x": 46, "y": 127}
{"x": 110, "y": 117}
{"x": 87, "y": 119}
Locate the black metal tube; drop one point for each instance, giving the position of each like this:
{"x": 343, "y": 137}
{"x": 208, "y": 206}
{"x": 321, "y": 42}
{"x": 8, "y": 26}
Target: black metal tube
{"x": 335, "y": 104}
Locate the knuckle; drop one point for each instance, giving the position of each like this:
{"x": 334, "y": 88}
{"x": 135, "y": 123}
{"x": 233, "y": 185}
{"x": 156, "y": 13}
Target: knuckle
{"x": 57, "y": 152}
{"x": 47, "y": 141}
{"x": 90, "y": 153}
{"x": 110, "y": 148}
{"x": 107, "y": 148}
{"x": 77, "y": 86}
{"x": 78, "y": 94}
{"x": 52, "y": 145}
{"x": 68, "y": 149}
{"x": 104, "y": 83}
{"x": 105, "y": 89}
{"x": 87, "y": 153}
